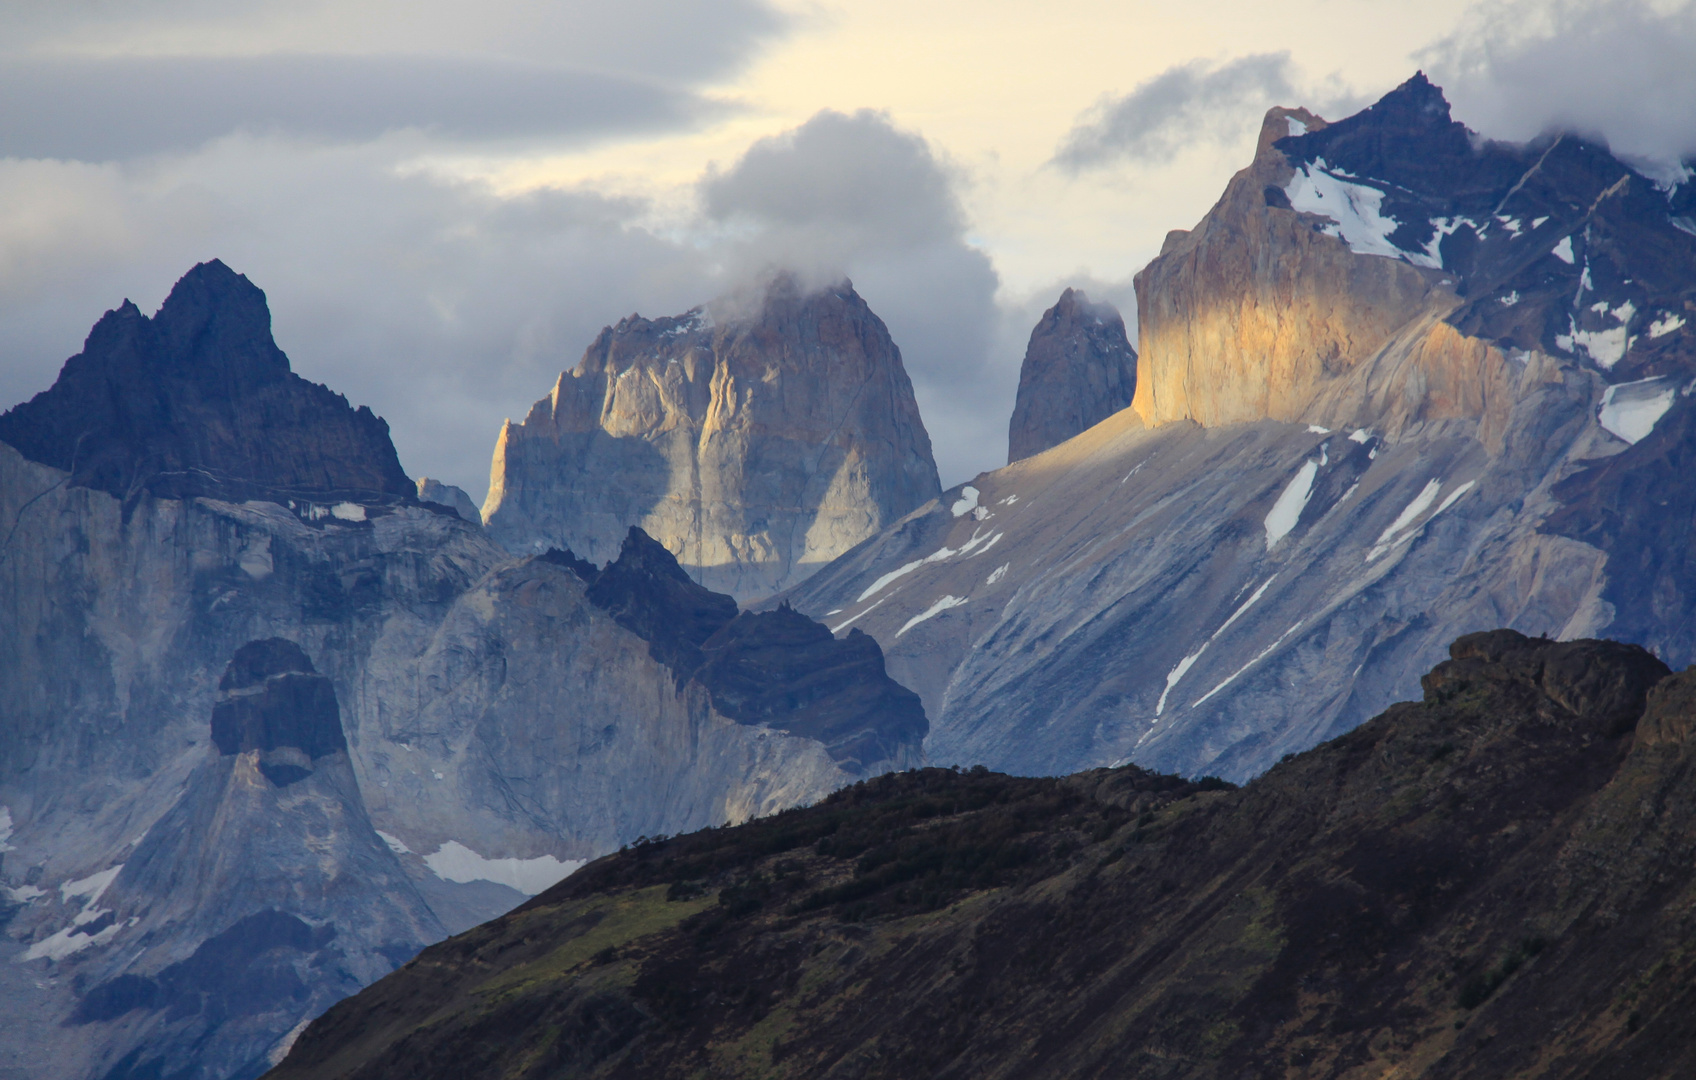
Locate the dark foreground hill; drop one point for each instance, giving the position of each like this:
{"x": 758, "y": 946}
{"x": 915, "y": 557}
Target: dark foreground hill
{"x": 1498, "y": 881}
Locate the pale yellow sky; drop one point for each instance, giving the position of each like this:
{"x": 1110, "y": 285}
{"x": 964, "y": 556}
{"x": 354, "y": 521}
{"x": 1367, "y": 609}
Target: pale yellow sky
{"x": 993, "y": 86}
{"x": 298, "y": 141}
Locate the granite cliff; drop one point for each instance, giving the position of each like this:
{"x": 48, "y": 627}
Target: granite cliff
{"x": 1493, "y": 882}
{"x": 1400, "y": 384}
{"x": 1079, "y": 369}
{"x": 270, "y": 730}
{"x": 755, "y": 440}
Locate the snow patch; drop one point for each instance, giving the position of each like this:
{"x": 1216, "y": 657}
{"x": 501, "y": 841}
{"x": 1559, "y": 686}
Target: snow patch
{"x": 999, "y": 573}
{"x": 1538, "y": 223}
{"x": 73, "y": 938}
{"x": 1296, "y": 126}
{"x": 70, "y": 940}
{"x": 453, "y": 861}
{"x": 395, "y": 843}
{"x": 1176, "y": 674}
{"x": 1660, "y": 328}
{"x": 92, "y": 886}
{"x": 23, "y": 894}
{"x": 1631, "y": 410}
{"x": 1287, "y": 510}
{"x": 1315, "y": 429}
{"x": 1454, "y": 497}
{"x": 5, "y": 828}
{"x": 1511, "y": 224}
{"x": 347, "y": 511}
{"x": 1563, "y": 250}
{"x": 902, "y": 571}
{"x": 967, "y": 502}
{"x": 1355, "y": 209}
{"x": 846, "y": 623}
{"x": 1237, "y": 614}
{"x": 1441, "y": 227}
{"x": 931, "y": 612}
{"x": 1258, "y": 657}
{"x": 1360, "y": 435}
{"x": 1605, "y": 347}
{"x": 1410, "y": 513}
{"x": 1008, "y": 501}
{"x": 1510, "y": 299}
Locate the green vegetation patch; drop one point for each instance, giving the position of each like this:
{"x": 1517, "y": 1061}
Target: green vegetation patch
{"x": 612, "y": 923}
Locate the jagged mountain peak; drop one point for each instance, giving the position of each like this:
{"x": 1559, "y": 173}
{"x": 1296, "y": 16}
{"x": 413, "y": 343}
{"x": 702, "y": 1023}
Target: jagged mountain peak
{"x": 757, "y": 437}
{"x": 1079, "y": 369}
{"x": 199, "y": 401}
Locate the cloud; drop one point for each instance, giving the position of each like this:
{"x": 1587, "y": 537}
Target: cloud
{"x": 855, "y": 196}
{"x": 447, "y": 307}
{"x": 1622, "y": 71}
{"x": 1190, "y": 102}
{"x": 101, "y": 82}
{"x": 680, "y": 42}
{"x": 106, "y": 108}
{"x": 442, "y": 306}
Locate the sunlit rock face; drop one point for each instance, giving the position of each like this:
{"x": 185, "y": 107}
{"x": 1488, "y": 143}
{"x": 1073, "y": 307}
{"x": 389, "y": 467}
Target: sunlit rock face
{"x": 1079, "y": 369}
{"x": 1399, "y": 385}
{"x": 1382, "y": 270}
{"x": 212, "y": 705}
{"x": 755, "y": 441}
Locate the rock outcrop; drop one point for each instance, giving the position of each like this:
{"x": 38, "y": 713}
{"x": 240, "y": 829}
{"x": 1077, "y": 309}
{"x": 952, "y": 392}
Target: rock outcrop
{"x": 778, "y": 670}
{"x": 1491, "y": 883}
{"x": 1399, "y": 385}
{"x": 1079, "y": 369}
{"x": 260, "y": 898}
{"x": 199, "y": 401}
{"x": 1476, "y": 254}
{"x": 756, "y": 443}
{"x": 451, "y": 496}
{"x": 212, "y": 707}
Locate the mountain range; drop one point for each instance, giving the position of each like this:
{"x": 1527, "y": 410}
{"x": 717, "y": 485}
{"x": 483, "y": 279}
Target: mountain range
{"x": 279, "y": 716}
{"x": 274, "y": 722}
{"x": 1493, "y": 882}
{"x": 1399, "y": 384}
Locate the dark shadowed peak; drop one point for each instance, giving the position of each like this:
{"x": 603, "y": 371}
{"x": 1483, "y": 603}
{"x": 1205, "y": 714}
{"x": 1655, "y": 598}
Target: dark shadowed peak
{"x": 1079, "y": 369}
{"x": 647, "y": 593}
{"x": 785, "y": 671}
{"x": 777, "y": 669}
{"x": 567, "y": 558}
{"x": 199, "y": 401}
{"x": 271, "y": 700}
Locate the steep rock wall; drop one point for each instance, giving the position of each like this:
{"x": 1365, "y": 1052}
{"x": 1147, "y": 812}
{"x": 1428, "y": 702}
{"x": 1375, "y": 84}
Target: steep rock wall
{"x": 756, "y": 445}
{"x": 1079, "y": 369}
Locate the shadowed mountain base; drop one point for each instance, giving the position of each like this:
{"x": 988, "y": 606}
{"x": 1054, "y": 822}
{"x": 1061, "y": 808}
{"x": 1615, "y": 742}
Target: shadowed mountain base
{"x": 1494, "y": 882}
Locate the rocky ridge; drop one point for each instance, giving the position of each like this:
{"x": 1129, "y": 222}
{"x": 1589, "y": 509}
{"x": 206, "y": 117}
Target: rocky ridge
{"x": 227, "y": 722}
{"x": 199, "y": 401}
{"x": 1493, "y": 882}
{"x": 1079, "y": 369}
{"x": 776, "y": 669}
{"x": 1340, "y": 458}
{"x": 755, "y": 440}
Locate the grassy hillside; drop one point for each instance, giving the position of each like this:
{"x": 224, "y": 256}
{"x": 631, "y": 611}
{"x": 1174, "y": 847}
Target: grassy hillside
{"x": 1499, "y": 881}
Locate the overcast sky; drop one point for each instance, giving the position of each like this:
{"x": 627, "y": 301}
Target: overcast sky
{"x": 445, "y": 201}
